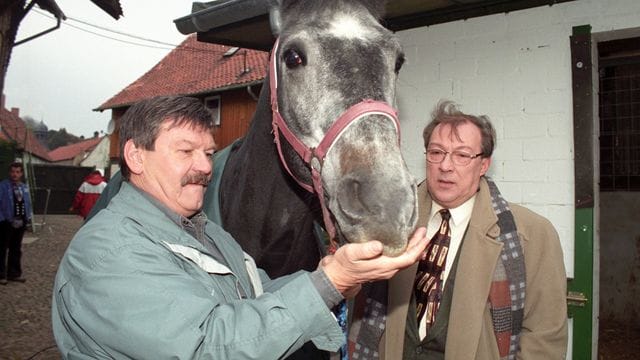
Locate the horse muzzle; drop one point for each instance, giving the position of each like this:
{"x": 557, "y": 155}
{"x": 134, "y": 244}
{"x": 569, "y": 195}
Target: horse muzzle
{"x": 373, "y": 198}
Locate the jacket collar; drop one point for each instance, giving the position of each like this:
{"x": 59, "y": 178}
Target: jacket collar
{"x": 142, "y": 210}
{"x": 147, "y": 212}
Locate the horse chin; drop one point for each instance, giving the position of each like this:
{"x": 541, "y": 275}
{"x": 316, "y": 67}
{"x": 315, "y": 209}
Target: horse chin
{"x": 392, "y": 244}
{"x": 393, "y": 251}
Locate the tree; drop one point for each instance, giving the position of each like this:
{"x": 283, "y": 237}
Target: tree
{"x": 13, "y": 11}
{"x": 38, "y": 128}
{"x": 55, "y": 139}
{"x": 33, "y": 124}
{"x": 7, "y": 155}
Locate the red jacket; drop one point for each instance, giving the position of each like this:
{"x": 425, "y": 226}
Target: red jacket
{"x": 88, "y": 193}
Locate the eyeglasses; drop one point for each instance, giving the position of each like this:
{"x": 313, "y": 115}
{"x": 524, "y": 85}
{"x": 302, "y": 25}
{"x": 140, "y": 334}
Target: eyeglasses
{"x": 461, "y": 158}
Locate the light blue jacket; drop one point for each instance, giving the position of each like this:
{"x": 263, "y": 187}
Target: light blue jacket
{"x": 6, "y": 200}
{"x": 133, "y": 285}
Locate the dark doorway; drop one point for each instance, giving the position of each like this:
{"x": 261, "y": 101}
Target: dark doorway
{"x": 619, "y": 118}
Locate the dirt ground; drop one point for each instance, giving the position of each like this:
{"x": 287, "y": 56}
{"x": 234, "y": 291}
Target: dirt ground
{"x": 25, "y": 319}
{"x": 25, "y": 324}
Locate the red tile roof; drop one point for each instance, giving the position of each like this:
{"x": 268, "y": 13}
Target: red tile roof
{"x": 71, "y": 151}
{"x": 194, "y": 68}
{"x": 12, "y": 128}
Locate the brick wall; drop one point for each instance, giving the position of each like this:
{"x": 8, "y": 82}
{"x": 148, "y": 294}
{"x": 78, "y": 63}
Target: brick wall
{"x": 515, "y": 68}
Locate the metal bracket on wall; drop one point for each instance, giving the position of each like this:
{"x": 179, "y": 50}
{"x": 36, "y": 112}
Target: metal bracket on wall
{"x": 576, "y": 298}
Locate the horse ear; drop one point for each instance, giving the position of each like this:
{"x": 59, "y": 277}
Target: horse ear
{"x": 274, "y": 17}
{"x": 377, "y": 8}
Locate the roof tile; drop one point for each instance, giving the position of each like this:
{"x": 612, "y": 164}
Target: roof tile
{"x": 71, "y": 151}
{"x": 193, "y": 68}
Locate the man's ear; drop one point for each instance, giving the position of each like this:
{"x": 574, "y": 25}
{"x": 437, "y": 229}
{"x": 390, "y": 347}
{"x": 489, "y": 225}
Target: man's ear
{"x": 133, "y": 157}
{"x": 486, "y": 163}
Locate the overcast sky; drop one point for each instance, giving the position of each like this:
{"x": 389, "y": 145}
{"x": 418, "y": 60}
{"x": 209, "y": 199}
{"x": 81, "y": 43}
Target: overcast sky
{"x": 62, "y": 76}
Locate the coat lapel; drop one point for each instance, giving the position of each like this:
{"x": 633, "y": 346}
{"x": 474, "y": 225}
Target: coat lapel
{"x": 400, "y": 290}
{"x": 479, "y": 254}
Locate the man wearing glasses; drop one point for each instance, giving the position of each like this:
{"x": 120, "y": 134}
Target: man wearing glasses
{"x": 493, "y": 283}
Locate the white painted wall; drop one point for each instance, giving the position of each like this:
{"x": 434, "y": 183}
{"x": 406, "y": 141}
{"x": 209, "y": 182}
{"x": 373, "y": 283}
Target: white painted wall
{"x": 99, "y": 156}
{"x": 515, "y": 68}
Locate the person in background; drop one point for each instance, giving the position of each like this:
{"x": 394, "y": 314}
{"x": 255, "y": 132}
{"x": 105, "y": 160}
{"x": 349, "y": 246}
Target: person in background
{"x": 150, "y": 277}
{"x": 15, "y": 215}
{"x": 493, "y": 284}
{"x": 88, "y": 193}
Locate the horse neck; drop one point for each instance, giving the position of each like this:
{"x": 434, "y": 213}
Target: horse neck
{"x": 262, "y": 207}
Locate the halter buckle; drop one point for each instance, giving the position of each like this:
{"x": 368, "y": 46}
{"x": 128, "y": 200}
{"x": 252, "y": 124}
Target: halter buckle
{"x": 316, "y": 164}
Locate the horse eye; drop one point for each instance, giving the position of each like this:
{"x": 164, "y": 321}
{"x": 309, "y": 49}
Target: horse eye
{"x": 399, "y": 62}
{"x": 293, "y": 59}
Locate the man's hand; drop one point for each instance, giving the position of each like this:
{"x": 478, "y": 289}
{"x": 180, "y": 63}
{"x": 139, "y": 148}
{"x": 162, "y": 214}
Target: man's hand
{"x": 355, "y": 264}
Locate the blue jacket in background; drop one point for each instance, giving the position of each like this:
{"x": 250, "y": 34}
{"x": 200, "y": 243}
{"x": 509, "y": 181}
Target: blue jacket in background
{"x": 6, "y": 200}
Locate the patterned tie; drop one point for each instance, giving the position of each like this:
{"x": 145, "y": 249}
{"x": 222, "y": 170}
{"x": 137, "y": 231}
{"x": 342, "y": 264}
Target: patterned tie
{"x": 428, "y": 285}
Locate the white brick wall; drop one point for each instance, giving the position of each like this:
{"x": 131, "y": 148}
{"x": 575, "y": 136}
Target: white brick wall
{"x": 515, "y": 68}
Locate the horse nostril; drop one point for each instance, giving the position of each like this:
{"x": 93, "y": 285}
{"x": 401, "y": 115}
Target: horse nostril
{"x": 350, "y": 199}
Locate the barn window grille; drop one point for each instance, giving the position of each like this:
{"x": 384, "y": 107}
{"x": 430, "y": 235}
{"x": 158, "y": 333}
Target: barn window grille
{"x": 619, "y": 114}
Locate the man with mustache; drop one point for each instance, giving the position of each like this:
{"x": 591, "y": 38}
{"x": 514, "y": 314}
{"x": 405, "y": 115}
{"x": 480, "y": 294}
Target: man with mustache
{"x": 493, "y": 285}
{"x": 149, "y": 277}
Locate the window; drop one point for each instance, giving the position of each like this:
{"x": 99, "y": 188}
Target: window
{"x": 213, "y": 104}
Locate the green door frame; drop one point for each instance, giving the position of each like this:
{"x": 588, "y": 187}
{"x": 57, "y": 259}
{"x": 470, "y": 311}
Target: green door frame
{"x": 580, "y": 288}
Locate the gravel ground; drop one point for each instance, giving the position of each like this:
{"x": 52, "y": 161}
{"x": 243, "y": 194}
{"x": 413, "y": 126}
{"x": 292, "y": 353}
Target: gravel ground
{"x": 25, "y": 318}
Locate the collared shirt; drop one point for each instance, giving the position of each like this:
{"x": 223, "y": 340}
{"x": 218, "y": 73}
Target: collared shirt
{"x": 194, "y": 226}
{"x": 458, "y": 223}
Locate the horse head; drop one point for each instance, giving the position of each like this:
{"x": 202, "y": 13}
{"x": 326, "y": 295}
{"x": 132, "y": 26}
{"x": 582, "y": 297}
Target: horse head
{"x": 332, "y": 77}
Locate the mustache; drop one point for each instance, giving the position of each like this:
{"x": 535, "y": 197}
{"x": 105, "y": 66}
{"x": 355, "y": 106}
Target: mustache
{"x": 198, "y": 178}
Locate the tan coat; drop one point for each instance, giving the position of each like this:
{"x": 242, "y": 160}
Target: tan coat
{"x": 470, "y": 333}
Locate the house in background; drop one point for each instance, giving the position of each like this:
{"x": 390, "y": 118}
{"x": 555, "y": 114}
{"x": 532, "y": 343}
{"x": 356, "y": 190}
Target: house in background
{"x": 22, "y": 144}
{"x": 227, "y": 79}
{"x": 55, "y": 184}
{"x": 98, "y": 157}
{"x": 93, "y": 152}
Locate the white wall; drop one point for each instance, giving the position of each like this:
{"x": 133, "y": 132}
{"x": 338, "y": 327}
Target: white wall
{"x": 515, "y": 68}
{"x": 99, "y": 156}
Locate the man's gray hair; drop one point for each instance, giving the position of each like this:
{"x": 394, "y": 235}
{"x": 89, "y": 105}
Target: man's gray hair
{"x": 447, "y": 113}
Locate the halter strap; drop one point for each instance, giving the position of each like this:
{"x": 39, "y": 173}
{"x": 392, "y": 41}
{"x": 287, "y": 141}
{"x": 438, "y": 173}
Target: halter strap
{"x": 314, "y": 157}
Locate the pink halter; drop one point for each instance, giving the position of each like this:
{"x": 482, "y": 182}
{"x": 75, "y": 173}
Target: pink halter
{"x": 314, "y": 157}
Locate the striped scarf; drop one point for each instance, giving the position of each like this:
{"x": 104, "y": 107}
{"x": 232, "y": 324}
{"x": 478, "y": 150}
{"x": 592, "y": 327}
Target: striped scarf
{"x": 506, "y": 296}
{"x": 507, "y": 292}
